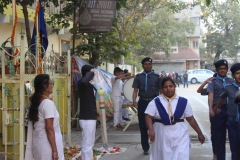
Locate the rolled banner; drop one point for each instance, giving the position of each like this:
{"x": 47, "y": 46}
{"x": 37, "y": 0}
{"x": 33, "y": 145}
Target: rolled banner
{"x": 103, "y": 118}
{"x": 101, "y": 98}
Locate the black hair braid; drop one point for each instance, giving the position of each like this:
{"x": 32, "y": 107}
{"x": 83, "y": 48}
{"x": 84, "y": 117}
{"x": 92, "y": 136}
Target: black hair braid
{"x": 40, "y": 82}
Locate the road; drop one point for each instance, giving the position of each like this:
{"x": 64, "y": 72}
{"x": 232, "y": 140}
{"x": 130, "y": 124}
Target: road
{"x": 130, "y": 139}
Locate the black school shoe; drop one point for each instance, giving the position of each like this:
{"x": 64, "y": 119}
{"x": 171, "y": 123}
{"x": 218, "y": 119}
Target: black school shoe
{"x": 145, "y": 153}
{"x": 126, "y": 119}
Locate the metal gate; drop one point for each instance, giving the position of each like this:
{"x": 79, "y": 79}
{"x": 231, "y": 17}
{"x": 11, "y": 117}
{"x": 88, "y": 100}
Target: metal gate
{"x": 16, "y": 86}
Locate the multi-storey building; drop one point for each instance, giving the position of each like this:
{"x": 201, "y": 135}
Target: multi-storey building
{"x": 182, "y": 58}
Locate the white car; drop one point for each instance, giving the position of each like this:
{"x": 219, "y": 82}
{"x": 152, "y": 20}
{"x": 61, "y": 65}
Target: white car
{"x": 199, "y": 75}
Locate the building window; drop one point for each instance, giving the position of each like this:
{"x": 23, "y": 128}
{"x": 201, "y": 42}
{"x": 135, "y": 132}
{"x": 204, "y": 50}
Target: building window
{"x": 196, "y": 20}
{"x": 174, "y": 50}
{"x": 65, "y": 45}
{"x": 187, "y": 65}
{"x": 195, "y": 63}
{"x": 195, "y": 44}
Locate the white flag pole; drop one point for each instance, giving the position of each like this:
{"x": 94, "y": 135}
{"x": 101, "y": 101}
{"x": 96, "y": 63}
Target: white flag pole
{"x": 103, "y": 118}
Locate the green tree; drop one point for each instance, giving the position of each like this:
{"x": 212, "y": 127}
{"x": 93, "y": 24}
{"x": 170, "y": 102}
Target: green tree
{"x": 208, "y": 2}
{"x": 222, "y": 22}
{"x": 122, "y": 39}
{"x": 99, "y": 46}
{"x": 108, "y": 46}
{"x": 161, "y": 31}
{"x": 25, "y": 4}
{"x": 135, "y": 26}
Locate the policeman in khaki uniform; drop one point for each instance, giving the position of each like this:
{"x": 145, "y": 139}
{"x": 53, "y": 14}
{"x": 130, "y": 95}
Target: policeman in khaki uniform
{"x": 147, "y": 86}
{"x": 218, "y": 122}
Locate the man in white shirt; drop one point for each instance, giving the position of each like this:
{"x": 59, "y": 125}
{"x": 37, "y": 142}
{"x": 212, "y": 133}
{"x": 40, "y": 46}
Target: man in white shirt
{"x": 116, "y": 95}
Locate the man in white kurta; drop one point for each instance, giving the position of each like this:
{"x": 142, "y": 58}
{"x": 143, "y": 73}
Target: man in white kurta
{"x": 116, "y": 97}
{"x": 171, "y": 141}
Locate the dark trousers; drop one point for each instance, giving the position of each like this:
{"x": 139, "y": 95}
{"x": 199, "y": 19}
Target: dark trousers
{"x": 234, "y": 138}
{"x": 218, "y": 133}
{"x": 185, "y": 82}
{"x": 142, "y": 105}
{"x": 176, "y": 82}
{"x": 213, "y": 133}
{"x": 221, "y": 134}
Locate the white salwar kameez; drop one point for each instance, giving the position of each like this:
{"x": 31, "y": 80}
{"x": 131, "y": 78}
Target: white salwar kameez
{"x": 38, "y": 146}
{"x": 171, "y": 141}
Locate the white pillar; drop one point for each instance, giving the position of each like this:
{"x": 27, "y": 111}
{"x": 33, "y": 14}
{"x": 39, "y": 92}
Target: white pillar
{"x": 22, "y": 99}
{"x": 69, "y": 98}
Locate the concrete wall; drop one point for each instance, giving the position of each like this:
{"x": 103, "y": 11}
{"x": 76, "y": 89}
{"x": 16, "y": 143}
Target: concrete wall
{"x": 54, "y": 42}
{"x": 169, "y": 67}
{"x": 6, "y": 32}
{"x": 110, "y": 67}
{"x": 179, "y": 67}
{"x": 107, "y": 67}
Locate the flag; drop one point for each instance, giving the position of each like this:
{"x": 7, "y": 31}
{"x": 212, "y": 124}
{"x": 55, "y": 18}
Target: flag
{"x": 43, "y": 37}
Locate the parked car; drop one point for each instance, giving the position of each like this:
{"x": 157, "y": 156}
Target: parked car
{"x": 199, "y": 75}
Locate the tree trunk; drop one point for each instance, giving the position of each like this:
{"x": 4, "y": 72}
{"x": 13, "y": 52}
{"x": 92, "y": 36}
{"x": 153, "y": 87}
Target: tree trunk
{"x": 95, "y": 52}
{"x": 95, "y": 58}
{"x": 75, "y": 19}
{"x": 217, "y": 55}
{"x": 27, "y": 25}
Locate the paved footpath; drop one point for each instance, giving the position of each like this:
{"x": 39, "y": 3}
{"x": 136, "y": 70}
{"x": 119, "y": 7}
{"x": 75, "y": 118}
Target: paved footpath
{"x": 130, "y": 139}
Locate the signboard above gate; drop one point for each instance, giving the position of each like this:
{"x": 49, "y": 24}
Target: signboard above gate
{"x": 96, "y": 16}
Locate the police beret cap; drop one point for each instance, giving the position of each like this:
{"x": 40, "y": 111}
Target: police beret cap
{"x": 147, "y": 59}
{"x": 235, "y": 68}
{"x": 221, "y": 63}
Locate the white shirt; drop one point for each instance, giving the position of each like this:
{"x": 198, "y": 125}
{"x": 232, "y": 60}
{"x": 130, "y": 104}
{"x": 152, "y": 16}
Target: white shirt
{"x": 117, "y": 86}
{"x": 153, "y": 111}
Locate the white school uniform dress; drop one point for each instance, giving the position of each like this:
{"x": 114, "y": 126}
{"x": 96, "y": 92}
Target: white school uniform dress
{"x": 171, "y": 141}
{"x": 38, "y": 146}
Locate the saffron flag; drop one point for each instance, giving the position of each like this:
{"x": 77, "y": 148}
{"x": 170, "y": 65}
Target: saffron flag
{"x": 42, "y": 37}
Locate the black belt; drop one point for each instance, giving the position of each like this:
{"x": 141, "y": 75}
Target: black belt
{"x": 175, "y": 121}
{"x": 146, "y": 99}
